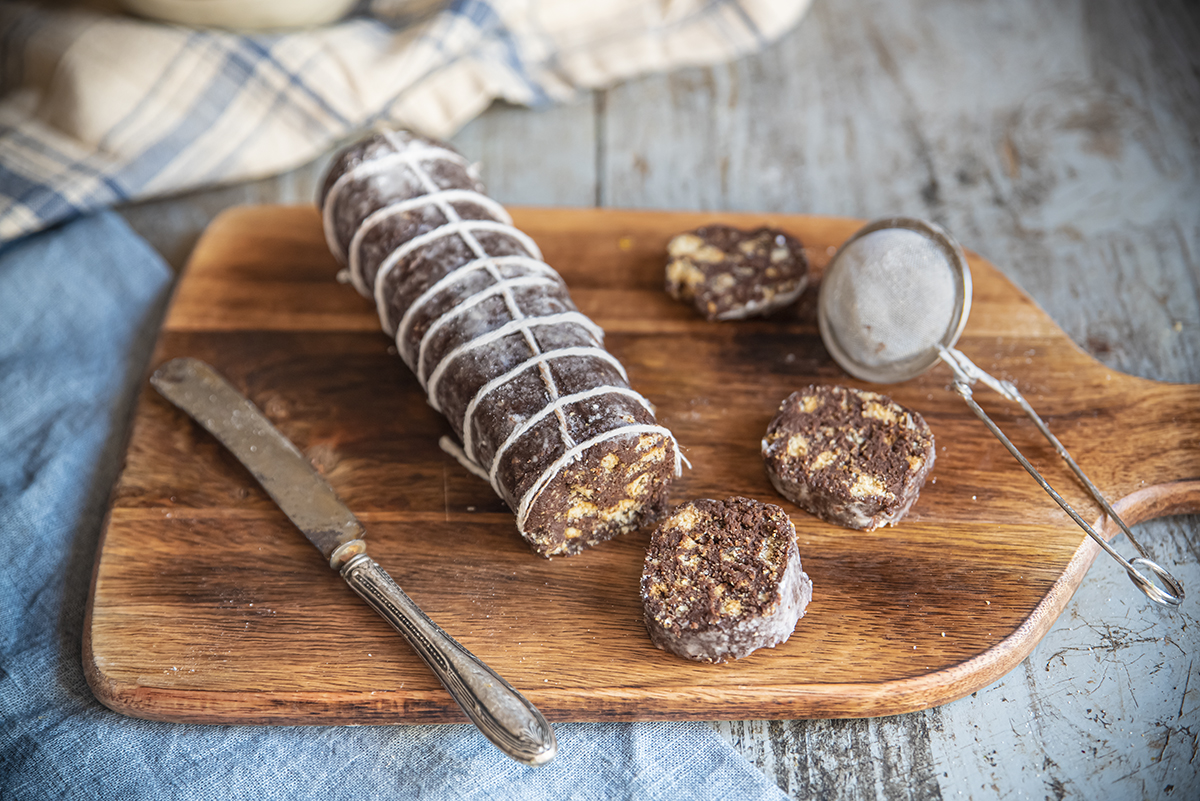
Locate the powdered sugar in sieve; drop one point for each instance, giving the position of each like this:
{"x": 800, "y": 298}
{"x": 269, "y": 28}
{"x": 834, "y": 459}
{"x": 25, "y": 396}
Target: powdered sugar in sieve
{"x": 894, "y": 293}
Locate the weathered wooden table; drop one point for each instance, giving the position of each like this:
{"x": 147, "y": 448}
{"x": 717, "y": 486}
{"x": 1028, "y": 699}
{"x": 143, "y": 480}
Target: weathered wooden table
{"x": 1058, "y": 140}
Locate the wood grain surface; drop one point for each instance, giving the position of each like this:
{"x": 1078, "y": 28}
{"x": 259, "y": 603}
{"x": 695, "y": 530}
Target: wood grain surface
{"x": 208, "y": 606}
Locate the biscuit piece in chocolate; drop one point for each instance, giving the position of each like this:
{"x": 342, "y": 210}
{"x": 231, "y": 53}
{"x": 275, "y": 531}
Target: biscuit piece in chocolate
{"x": 850, "y": 457}
{"x": 723, "y": 579}
{"x": 731, "y": 274}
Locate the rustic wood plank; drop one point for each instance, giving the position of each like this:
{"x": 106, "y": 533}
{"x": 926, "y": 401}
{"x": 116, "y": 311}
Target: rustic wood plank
{"x": 1065, "y": 146}
{"x": 545, "y": 158}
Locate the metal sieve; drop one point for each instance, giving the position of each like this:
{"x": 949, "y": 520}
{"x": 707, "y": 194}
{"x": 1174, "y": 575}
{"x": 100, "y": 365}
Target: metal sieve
{"x": 893, "y": 302}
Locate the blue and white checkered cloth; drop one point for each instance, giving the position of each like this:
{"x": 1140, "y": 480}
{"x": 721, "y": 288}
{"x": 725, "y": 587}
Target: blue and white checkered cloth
{"x": 99, "y": 109}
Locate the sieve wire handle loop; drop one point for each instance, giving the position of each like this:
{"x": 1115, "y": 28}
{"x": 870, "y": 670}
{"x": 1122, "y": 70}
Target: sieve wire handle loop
{"x": 966, "y": 373}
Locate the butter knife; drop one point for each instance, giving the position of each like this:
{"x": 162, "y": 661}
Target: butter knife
{"x": 504, "y": 716}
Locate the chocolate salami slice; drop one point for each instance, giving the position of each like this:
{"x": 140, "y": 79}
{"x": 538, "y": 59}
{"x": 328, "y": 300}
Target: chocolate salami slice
{"x": 730, "y": 274}
{"x": 541, "y": 410}
{"x": 722, "y": 579}
{"x": 850, "y": 457}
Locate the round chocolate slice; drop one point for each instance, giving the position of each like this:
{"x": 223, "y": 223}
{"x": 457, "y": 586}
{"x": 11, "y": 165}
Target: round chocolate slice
{"x": 722, "y": 579}
{"x": 731, "y": 274}
{"x": 850, "y": 457}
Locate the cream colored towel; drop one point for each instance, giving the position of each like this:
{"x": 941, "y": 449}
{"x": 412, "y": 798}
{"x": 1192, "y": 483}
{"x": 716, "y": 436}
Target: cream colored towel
{"x": 97, "y": 109}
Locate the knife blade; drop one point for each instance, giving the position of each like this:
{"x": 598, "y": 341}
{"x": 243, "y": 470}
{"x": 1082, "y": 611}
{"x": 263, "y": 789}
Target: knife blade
{"x": 501, "y": 713}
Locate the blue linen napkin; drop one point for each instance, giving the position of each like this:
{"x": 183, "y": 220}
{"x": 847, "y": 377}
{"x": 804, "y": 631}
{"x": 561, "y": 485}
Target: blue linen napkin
{"x": 79, "y": 309}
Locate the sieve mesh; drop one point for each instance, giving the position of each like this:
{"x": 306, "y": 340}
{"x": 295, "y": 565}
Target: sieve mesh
{"x": 889, "y": 298}
{"x": 893, "y": 302}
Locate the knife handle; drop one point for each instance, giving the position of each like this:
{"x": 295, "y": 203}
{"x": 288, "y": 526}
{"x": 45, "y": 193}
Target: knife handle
{"x": 504, "y": 716}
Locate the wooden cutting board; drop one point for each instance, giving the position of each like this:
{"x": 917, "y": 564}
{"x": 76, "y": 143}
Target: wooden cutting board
{"x": 208, "y": 606}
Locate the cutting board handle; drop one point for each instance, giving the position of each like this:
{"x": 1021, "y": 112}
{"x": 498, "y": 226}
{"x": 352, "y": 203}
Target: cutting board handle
{"x": 1149, "y": 503}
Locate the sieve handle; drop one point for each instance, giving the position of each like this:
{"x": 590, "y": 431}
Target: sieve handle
{"x": 966, "y": 373}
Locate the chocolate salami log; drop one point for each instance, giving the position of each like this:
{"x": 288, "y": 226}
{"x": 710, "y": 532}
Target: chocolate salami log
{"x": 542, "y": 411}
